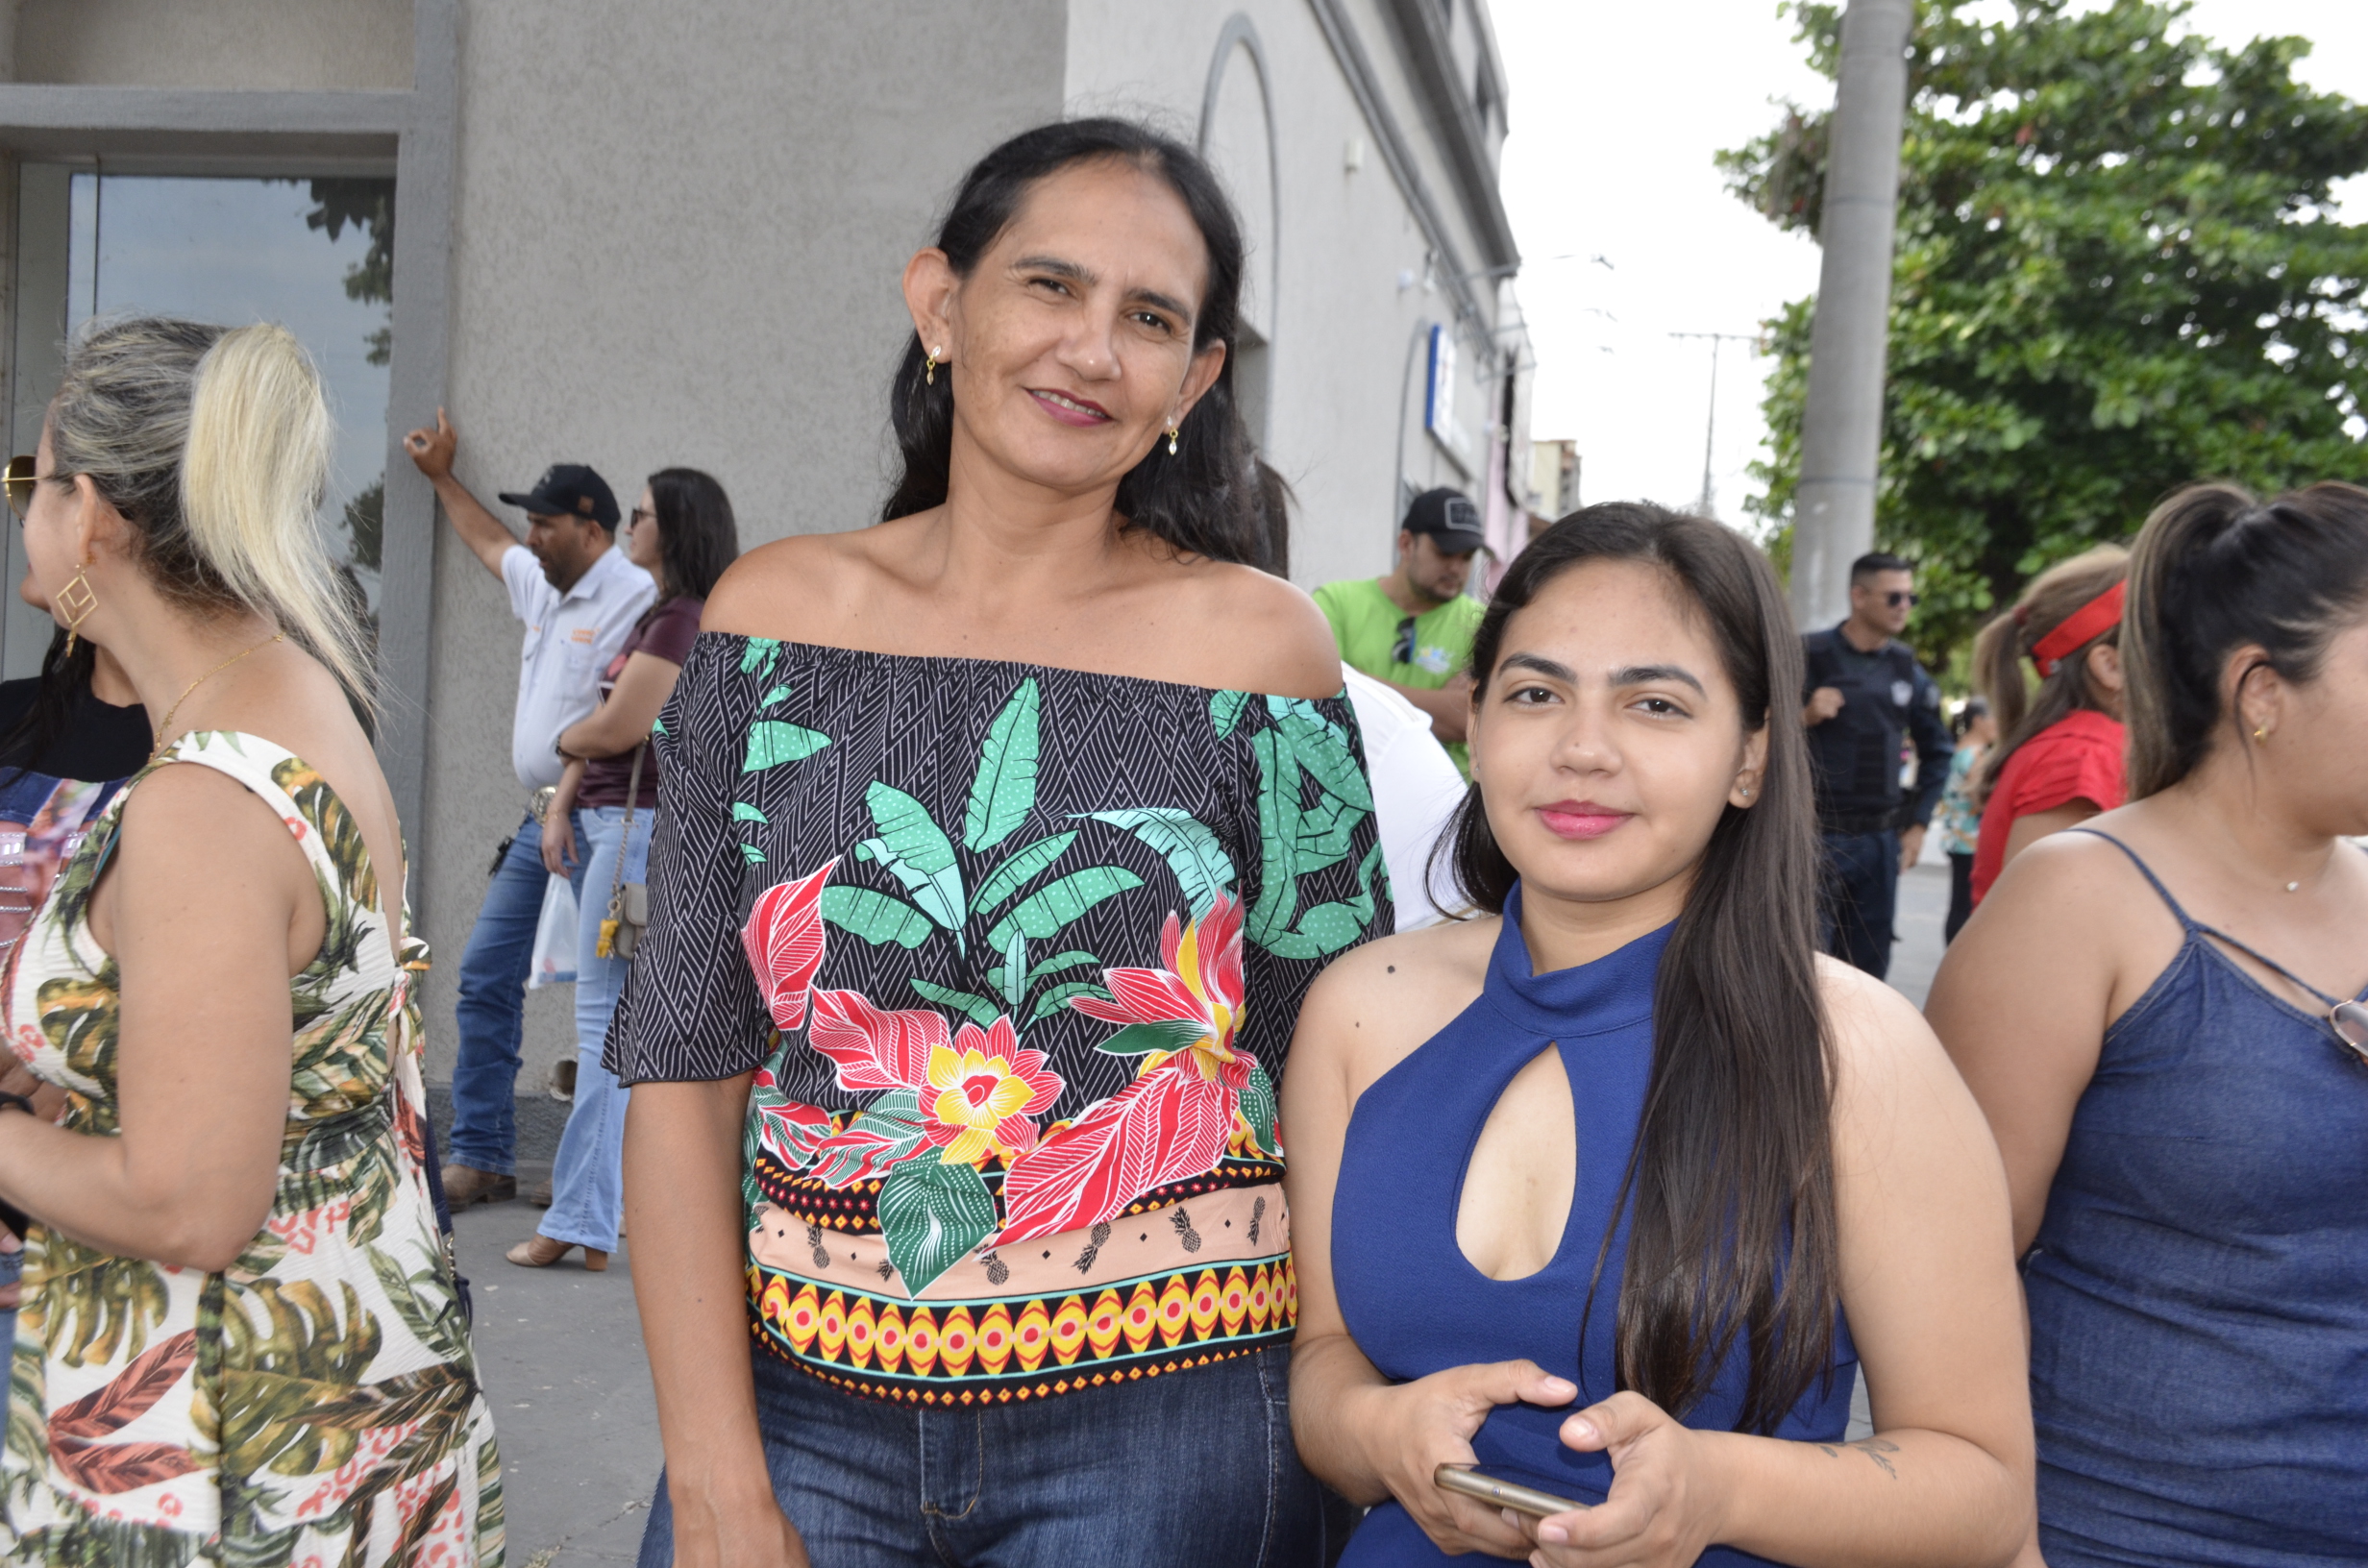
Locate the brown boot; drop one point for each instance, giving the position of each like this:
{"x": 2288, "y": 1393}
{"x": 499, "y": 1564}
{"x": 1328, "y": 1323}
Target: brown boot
{"x": 465, "y": 1184}
{"x": 541, "y": 1252}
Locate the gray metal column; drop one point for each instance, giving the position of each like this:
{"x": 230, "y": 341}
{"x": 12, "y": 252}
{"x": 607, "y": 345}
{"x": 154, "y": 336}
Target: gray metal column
{"x": 1841, "y": 426}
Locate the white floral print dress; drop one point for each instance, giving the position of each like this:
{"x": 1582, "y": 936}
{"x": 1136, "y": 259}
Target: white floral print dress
{"x": 317, "y": 1403}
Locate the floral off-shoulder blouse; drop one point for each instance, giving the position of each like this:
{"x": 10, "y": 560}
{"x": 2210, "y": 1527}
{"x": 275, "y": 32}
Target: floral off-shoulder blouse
{"x": 1015, "y": 954}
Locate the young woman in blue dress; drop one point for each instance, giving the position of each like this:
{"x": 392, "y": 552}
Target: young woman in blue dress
{"x": 1583, "y": 1188}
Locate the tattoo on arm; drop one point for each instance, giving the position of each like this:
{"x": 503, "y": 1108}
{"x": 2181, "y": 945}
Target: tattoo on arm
{"x": 1874, "y": 1448}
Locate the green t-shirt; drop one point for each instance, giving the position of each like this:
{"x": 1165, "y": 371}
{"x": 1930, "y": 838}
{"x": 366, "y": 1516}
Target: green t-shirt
{"x": 1366, "y": 624}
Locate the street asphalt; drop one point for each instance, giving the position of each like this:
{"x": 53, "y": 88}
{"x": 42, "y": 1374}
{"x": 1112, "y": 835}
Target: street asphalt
{"x": 561, "y": 1354}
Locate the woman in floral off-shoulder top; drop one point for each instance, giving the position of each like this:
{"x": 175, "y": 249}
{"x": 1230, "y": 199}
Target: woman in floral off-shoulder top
{"x": 997, "y": 845}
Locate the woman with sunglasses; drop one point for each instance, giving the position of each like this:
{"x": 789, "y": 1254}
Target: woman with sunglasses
{"x": 2154, "y": 1012}
{"x": 2059, "y": 763}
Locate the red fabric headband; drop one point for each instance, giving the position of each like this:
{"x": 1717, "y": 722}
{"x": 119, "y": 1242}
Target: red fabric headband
{"x": 2091, "y": 621}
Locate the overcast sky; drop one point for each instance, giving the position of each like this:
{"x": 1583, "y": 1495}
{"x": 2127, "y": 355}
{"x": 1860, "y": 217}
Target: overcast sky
{"x": 1617, "y": 109}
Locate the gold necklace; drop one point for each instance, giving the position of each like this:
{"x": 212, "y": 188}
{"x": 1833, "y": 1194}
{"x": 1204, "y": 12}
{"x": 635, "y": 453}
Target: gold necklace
{"x": 164, "y": 730}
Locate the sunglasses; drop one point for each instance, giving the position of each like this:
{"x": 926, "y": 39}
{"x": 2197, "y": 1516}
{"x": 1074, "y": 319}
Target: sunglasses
{"x": 1899, "y": 596}
{"x": 1402, "y": 652}
{"x": 2350, "y": 1023}
{"x": 21, "y": 481}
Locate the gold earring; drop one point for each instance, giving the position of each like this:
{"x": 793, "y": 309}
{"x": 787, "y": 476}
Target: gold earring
{"x": 1170, "y": 440}
{"x": 929, "y": 372}
{"x": 75, "y": 601}
{"x": 2262, "y": 734}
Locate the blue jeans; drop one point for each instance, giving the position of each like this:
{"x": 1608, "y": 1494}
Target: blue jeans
{"x": 493, "y": 1004}
{"x": 1859, "y": 890}
{"x": 587, "y": 1180}
{"x": 1190, "y": 1470}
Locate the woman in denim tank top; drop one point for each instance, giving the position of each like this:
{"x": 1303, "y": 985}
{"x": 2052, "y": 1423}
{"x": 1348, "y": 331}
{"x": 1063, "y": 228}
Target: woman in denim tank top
{"x": 2159, "y": 1013}
{"x": 1584, "y": 1188}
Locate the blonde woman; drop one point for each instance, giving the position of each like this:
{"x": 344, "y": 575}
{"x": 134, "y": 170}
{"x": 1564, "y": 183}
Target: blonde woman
{"x": 240, "y": 1338}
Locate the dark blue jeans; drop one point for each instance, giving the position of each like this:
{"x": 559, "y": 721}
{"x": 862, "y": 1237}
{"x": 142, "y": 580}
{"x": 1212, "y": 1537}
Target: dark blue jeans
{"x": 1859, "y": 891}
{"x": 1190, "y": 1470}
{"x": 493, "y": 1004}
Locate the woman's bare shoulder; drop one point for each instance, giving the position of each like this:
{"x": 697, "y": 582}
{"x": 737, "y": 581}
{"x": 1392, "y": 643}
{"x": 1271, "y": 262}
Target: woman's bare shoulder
{"x": 800, "y": 589}
{"x": 1376, "y": 1003}
{"x": 1269, "y": 635}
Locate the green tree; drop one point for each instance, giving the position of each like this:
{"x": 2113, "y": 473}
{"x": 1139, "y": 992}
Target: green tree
{"x": 2116, "y": 271}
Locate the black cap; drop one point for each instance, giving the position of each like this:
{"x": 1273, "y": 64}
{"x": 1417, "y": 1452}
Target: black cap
{"x": 1449, "y": 516}
{"x": 570, "y": 490}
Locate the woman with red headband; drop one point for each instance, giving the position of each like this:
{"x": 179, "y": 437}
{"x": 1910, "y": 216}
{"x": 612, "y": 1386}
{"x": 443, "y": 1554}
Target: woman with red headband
{"x": 2059, "y": 761}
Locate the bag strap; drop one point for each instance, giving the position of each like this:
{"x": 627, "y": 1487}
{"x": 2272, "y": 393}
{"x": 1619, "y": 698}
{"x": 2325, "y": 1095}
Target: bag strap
{"x": 633, "y": 798}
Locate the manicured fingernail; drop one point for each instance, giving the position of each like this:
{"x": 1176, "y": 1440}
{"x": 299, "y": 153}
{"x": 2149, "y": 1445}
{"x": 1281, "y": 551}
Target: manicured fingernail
{"x": 1553, "y": 1535}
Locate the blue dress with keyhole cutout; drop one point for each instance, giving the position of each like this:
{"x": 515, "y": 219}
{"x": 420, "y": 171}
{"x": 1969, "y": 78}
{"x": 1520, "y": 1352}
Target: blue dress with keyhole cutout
{"x": 1415, "y": 1305}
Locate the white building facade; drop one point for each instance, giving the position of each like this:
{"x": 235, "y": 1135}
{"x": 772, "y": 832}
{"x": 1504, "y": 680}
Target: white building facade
{"x": 637, "y": 236}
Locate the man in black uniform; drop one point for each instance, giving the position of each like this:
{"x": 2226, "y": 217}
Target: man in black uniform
{"x": 1862, "y": 690}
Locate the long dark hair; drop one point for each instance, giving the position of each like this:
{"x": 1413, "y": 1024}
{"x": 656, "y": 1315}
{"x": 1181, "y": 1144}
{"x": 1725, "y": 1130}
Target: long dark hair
{"x": 65, "y": 681}
{"x": 2050, "y": 598}
{"x": 697, "y": 537}
{"x": 1732, "y": 1176}
{"x": 2216, "y": 570}
{"x": 1200, "y": 500}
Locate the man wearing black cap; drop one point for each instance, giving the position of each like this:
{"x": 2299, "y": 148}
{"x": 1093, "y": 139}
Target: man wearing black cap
{"x": 1413, "y": 628}
{"x": 579, "y": 599}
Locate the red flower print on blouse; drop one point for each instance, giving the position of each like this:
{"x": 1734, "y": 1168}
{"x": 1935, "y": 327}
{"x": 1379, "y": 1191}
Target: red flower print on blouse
{"x": 971, "y": 1094}
{"x": 1174, "y": 1120}
{"x": 1195, "y": 1002}
{"x": 784, "y": 942}
{"x": 983, "y": 1092}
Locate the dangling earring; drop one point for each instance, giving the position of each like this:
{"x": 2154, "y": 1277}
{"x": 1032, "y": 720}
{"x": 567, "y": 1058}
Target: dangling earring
{"x": 929, "y": 372}
{"x": 75, "y": 601}
{"x": 1170, "y": 440}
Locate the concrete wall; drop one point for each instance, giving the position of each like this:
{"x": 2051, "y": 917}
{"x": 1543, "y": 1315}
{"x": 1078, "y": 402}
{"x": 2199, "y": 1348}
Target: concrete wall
{"x": 216, "y": 43}
{"x": 1347, "y": 263}
{"x": 679, "y": 230}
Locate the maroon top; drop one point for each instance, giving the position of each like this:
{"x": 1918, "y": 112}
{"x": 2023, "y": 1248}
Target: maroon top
{"x": 665, "y": 633}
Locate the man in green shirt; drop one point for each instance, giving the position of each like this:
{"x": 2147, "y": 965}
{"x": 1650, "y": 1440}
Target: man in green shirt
{"x": 1414, "y": 627}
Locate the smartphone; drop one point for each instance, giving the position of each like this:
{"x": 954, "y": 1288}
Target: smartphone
{"x": 1505, "y": 1494}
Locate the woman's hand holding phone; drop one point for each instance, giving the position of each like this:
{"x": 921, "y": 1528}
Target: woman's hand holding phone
{"x": 1662, "y": 1507}
{"x": 1408, "y": 1429}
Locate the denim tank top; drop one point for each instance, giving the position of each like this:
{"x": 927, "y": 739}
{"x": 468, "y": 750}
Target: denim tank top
{"x": 1414, "y": 1302}
{"x": 2199, "y": 1289}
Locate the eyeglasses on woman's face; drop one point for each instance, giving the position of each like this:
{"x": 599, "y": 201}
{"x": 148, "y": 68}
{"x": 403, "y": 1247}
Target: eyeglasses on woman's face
{"x": 641, "y": 515}
{"x": 21, "y": 481}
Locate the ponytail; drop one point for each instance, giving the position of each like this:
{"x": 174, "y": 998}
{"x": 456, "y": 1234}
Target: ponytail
{"x": 213, "y": 443}
{"x": 2048, "y": 601}
{"x": 2215, "y": 571}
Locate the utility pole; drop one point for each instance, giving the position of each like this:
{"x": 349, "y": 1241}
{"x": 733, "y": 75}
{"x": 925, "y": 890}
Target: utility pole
{"x": 1710, "y": 426}
{"x": 1842, "y": 425}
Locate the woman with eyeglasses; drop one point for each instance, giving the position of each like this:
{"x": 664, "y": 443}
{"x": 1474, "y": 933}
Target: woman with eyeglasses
{"x": 2159, "y": 1012}
{"x": 2059, "y": 761}
{"x": 683, "y": 535}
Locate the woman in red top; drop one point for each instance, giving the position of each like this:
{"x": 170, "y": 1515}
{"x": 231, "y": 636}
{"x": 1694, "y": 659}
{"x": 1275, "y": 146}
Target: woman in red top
{"x": 2061, "y": 761}
{"x": 683, "y": 535}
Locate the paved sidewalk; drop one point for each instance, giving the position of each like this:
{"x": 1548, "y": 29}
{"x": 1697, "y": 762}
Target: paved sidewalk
{"x": 561, "y": 1356}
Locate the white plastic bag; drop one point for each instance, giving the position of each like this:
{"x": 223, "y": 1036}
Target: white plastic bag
{"x": 555, "y": 937}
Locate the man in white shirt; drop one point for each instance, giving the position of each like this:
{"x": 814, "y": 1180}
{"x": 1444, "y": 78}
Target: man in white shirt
{"x": 1416, "y": 789}
{"x": 579, "y": 599}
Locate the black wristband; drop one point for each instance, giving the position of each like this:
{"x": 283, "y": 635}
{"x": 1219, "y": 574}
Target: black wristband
{"x": 17, "y": 1102}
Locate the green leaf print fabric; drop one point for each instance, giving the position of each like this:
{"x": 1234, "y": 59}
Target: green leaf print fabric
{"x": 1014, "y": 955}
{"x": 317, "y": 1403}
